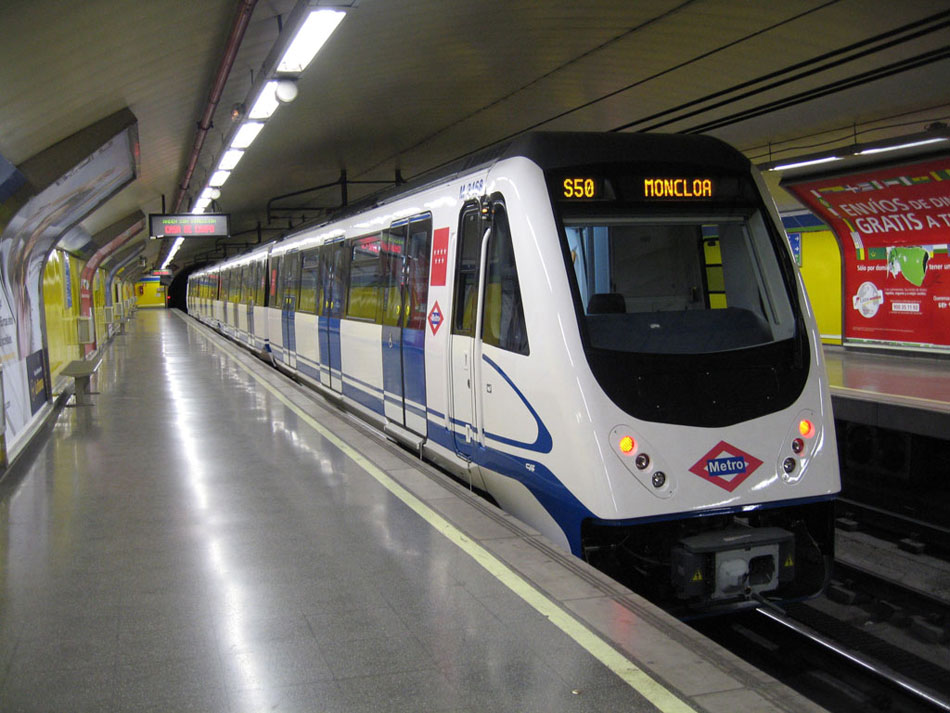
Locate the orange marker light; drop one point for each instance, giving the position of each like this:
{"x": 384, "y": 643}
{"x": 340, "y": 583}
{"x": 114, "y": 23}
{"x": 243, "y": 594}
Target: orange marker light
{"x": 806, "y": 428}
{"x": 627, "y": 445}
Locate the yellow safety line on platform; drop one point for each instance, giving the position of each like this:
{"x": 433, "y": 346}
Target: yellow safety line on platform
{"x": 631, "y": 674}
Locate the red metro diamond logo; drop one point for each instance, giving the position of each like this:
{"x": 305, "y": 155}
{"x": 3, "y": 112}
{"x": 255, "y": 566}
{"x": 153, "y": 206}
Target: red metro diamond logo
{"x": 435, "y": 318}
{"x": 725, "y": 466}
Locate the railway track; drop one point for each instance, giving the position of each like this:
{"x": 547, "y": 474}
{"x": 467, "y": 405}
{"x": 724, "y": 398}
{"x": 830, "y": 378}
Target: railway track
{"x": 912, "y": 534}
{"x": 846, "y": 656}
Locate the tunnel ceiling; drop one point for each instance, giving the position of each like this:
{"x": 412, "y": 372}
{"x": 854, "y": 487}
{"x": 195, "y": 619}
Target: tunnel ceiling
{"x": 409, "y": 84}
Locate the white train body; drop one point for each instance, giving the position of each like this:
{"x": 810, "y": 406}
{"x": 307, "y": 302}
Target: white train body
{"x": 644, "y": 383}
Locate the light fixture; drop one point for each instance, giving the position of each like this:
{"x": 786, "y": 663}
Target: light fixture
{"x": 211, "y": 193}
{"x": 311, "y": 36}
{"x": 934, "y": 133}
{"x": 286, "y": 90}
{"x": 246, "y": 134}
{"x": 230, "y": 159}
{"x": 200, "y": 205}
{"x": 171, "y": 253}
{"x": 218, "y": 178}
{"x": 910, "y": 145}
{"x": 802, "y": 164}
{"x": 266, "y": 103}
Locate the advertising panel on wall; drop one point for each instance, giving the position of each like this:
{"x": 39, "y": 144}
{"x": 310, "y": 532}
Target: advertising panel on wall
{"x": 893, "y": 225}
{"x": 25, "y": 242}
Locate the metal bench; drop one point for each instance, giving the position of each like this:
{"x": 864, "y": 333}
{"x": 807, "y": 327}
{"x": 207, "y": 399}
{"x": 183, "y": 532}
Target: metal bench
{"x": 81, "y": 370}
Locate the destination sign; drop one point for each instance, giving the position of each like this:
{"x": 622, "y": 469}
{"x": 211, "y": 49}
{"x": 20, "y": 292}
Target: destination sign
{"x": 673, "y": 187}
{"x": 189, "y": 225}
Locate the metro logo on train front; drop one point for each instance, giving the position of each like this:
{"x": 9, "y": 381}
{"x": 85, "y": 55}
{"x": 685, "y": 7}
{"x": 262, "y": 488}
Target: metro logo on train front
{"x": 726, "y": 466}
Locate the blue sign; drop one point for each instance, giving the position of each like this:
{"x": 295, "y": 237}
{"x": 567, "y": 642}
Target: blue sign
{"x": 725, "y": 466}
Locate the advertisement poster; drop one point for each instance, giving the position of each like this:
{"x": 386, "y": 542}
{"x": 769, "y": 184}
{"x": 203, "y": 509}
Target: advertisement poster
{"x": 25, "y": 243}
{"x": 893, "y": 225}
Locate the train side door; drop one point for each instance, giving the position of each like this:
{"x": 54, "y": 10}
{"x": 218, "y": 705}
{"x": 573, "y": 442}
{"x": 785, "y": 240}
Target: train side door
{"x": 333, "y": 273}
{"x": 472, "y": 230}
{"x": 406, "y": 251}
{"x": 290, "y": 272}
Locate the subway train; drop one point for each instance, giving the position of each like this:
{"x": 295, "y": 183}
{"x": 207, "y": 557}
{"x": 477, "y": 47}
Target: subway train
{"x": 605, "y": 334}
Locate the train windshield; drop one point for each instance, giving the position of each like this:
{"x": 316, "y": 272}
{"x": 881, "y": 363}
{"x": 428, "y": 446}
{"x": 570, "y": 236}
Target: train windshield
{"x": 678, "y": 284}
{"x": 684, "y": 292}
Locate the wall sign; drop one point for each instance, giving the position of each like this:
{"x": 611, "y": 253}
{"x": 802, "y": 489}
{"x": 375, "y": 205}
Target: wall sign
{"x": 893, "y": 226}
{"x": 189, "y": 225}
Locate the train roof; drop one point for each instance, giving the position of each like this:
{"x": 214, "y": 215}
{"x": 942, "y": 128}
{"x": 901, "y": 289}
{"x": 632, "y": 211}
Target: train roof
{"x": 550, "y": 150}
{"x": 561, "y": 149}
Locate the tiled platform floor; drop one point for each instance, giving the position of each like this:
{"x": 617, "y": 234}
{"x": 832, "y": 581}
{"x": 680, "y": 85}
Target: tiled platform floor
{"x": 190, "y": 543}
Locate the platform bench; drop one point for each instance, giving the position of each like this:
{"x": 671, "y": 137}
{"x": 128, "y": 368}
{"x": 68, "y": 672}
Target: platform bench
{"x": 81, "y": 370}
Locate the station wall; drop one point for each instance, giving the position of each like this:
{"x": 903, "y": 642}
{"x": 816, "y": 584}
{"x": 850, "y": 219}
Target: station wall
{"x": 149, "y": 292}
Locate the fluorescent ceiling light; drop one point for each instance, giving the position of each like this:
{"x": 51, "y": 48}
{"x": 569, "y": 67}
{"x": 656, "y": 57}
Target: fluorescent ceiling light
{"x": 800, "y": 164}
{"x": 218, "y": 178}
{"x": 246, "y": 134}
{"x": 311, "y": 36}
{"x": 230, "y": 159}
{"x": 900, "y": 146}
{"x": 266, "y": 103}
{"x": 200, "y": 205}
{"x": 211, "y": 193}
{"x": 171, "y": 253}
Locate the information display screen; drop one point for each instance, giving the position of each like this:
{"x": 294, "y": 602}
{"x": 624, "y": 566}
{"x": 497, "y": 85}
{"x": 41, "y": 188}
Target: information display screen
{"x": 189, "y": 225}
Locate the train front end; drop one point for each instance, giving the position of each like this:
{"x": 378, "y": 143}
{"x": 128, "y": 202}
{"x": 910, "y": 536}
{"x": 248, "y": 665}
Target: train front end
{"x": 712, "y": 411}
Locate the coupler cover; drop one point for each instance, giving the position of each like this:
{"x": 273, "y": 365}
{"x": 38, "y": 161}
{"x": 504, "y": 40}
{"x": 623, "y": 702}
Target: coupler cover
{"x": 733, "y": 563}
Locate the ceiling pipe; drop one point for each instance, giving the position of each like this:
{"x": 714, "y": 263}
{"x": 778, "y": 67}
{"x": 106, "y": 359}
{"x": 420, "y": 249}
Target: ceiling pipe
{"x": 230, "y": 52}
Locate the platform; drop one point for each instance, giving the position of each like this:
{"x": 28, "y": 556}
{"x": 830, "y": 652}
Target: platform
{"x": 899, "y": 391}
{"x": 211, "y": 536}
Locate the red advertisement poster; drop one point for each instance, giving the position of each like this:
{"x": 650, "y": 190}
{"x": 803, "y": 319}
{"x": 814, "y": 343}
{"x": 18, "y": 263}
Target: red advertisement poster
{"x": 893, "y": 225}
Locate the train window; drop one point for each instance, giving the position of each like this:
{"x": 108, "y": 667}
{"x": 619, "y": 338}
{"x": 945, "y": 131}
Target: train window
{"x": 679, "y": 285}
{"x": 466, "y": 272}
{"x": 503, "y": 314}
{"x": 393, "y": 253}
{"x": 260, "y": 282}
{"x": 405, "y": 253}
{"x": 274, "y": 278}
{"x": 418, "y": 249}
{"x": 366, "y": 279}
{"x": 247, "y": 288}
{"x": 309, "y": 280}
{"x": 223, "y": 285}
{"x": 234, "y": 285}
{"x": 290, "y": 271}
{"x": 334, "y": 278}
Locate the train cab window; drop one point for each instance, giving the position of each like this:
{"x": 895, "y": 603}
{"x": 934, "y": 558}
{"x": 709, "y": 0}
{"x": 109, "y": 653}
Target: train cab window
{"x": 466, "y": 272}
{"x": 366, "y": 278}
{"x": 503, "y": 323}
{"x": 309, "y": 281}
{"x": 680, "y": 285}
